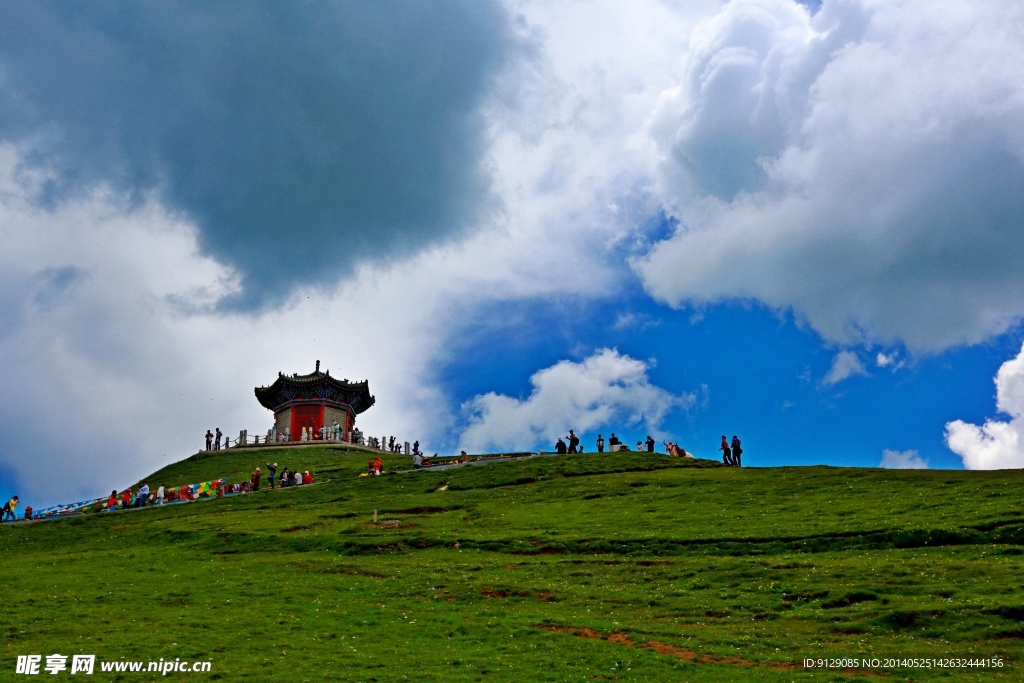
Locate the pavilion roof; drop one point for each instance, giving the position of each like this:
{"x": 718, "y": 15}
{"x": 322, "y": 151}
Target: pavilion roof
{"x": 315, "y": 386}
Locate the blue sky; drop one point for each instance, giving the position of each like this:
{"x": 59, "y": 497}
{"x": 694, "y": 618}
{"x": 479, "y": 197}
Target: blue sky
{"x": 796, "y": 222}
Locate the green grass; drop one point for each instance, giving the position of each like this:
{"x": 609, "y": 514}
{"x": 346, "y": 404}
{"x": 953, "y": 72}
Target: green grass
{"x": 621, "y": 567}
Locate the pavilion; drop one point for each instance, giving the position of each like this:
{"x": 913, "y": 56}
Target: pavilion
{"x": 314, "y": 401}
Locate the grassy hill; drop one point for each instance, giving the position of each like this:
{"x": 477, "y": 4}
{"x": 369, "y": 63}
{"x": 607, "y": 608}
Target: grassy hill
{"x": 617, "y": 567}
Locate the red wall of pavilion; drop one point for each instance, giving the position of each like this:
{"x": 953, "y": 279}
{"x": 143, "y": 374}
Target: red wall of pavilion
{"x": 311, "y": 417}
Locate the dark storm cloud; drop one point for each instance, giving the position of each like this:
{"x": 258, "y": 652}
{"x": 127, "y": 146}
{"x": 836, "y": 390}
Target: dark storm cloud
{"x": 302, "y": 138}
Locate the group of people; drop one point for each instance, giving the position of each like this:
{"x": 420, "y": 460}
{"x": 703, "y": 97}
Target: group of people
{"x": 287, "y": 478}
{"x": 614, "y": 444}
{"x": 388, "y": 443}
{"x": 731, "y": 452}
{"x": 213, "y": 440}
{"x": 419, "y": 460}
{"x": 144, "y": 496}
{"x": 573, "y": 447}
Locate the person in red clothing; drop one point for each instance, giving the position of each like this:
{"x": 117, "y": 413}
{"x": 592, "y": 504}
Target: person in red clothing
{"x": 377, "y": 466}
{"x": 307, "y": 478}
{"x": 126, "y": 498}
{"x": 256, "y": 479}
{"x": 112, "y": 501}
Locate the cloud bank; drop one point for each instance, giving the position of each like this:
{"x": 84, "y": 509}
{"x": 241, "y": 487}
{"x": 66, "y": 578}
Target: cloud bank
{"x": 861, "y": 167}
{"x": 997, "y": 444}
{"x": 300, "y": 138}
{"x": 117, "y": 354}
{"x": 605, "y": 388}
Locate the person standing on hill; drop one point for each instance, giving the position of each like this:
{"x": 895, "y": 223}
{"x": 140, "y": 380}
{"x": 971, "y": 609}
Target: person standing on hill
{"x": 600, "y": 444}
{"x": 737, "y": 451}
{"x": 650, "y": 444}
{"x": 209, "y": 439}
{"x": 9, "y": 508}
{"x": 574, "y": 442}
{"x": 256, "y": 479}
{"x": 726, "y": 451}
{"x": 216, "y": 440}
{"x": 143, "y": 497}
{"x": 273, "y": 470}
{"x": 160, "y": 492}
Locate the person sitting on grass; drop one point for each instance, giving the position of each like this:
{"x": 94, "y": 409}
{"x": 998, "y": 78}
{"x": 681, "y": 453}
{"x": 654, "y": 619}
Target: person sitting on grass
{"x": 417, "y": 461}
{"x": 307, "y": 478}
{"x": 256, "y": 479}
{"x": 675, "y": 450}
{"x": 560, "y": 447}
{"x": 112, "y": 501}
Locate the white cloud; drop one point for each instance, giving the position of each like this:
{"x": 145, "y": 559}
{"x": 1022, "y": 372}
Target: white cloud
{"x": 117, "y": 360}
{"x": 884, "y": 360}
{"x": 862, "y": 167}
{"x": 903, "y": 460}
{"x": 996, "y": 444}
{"x": 607, "y": 388}
{"x": 629, "y": 320}
{"x": 846, "y": 364}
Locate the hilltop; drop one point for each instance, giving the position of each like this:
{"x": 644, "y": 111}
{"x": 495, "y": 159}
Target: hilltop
{"x": 613, "y": 567}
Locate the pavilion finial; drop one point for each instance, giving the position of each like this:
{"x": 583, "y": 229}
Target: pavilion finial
{"x": 318, "y": 366}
